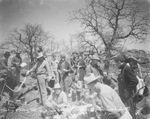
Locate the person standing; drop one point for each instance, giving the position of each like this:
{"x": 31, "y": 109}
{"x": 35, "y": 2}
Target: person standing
{"x": 110, "y": 80}
{"x": 42, "y": 71}
{"x": 127, "y": 83}
{"x": 107, "y": 99}
{"x": 94, "y": 67}
{"x": 4, "y": 63}
{"x": 76, "y": 89}
{"x": 81, "y": 67}
{"x": 73, "y": 60}
{"x": 4, "y": 69}
{"x": 54, "y": 66}
{"x": 64, "y": 69}
{"x": 6, "y": 74}
{"x": 16, "y": 61}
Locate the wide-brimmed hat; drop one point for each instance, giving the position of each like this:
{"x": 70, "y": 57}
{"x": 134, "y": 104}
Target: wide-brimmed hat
{"x": 90, "y": 78}
{"x": 57, "y": 86}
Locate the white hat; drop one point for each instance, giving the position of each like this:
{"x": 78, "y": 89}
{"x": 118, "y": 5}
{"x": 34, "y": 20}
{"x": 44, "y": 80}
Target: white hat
{"x": 57, "y": 86}
{"x": 40, "y": 55}
{"x": 90, "y": 78}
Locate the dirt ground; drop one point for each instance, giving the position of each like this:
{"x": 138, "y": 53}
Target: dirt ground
{"x": 30, "y": 112}
{"x": 33, "y": 110}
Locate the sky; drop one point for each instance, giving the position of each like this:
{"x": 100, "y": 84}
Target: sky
{"x": 52, "y": 14}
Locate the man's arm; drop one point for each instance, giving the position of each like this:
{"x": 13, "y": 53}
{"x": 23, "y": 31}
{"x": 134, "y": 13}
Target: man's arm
{"x": 50, "y": 102}
{"x": 78, "y": 85}
{"x": 67, "y": 67}
{"x": 82, "y": 64}
{"x": 3, "y": 64}
{"x": 33, "y": 68}
{"x": 47, "y": 68}
{"x": 65, "y": 101}
{"x": 109, "y": 107}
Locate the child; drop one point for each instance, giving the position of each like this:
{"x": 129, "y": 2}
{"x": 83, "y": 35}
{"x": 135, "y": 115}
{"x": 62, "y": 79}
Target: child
{"x": 76, "y": 89}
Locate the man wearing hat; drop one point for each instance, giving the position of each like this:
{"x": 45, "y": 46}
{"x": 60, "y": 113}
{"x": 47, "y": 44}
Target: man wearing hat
{"x": 58, "y": 98}
{"x": 73, "y": 59}
{"x": 113, "y": 106}
{"x": 127, "y": 82}
{"x": 64, "y": 69}
{"x": 42, "y": 71}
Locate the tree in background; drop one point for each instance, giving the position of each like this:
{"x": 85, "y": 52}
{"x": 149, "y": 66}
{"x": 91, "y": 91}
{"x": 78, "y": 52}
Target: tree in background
{"x": 53, "y": 47}
{"x": 73, "y": 44}
{"x": 112, "y": 22}
{"x": 27, "y": 40}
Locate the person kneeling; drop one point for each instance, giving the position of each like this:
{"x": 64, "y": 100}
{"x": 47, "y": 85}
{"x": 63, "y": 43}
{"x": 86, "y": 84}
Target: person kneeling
{"x": 57, "y": 99}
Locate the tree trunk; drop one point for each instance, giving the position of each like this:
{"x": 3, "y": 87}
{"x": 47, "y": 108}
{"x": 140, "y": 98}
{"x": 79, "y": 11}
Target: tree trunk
{"x": 32, "y": 59}
{"x": 107, "y": 60}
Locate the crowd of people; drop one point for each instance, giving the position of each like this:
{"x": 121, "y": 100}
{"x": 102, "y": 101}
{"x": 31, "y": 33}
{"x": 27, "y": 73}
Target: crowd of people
{"x": 60, "y": 81}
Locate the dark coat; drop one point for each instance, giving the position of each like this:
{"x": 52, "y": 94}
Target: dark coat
{"x": 127, "y": 80}
{"x": 61, "y": 67}
{"x": 130, "y": 79}
{"x": 81, "y": 69}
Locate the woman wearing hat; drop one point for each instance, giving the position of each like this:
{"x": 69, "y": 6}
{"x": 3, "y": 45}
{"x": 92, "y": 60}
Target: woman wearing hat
{"x": 113, "y": 106}
{"x": 58, "y": 98}
{"x": 42, "y": 71}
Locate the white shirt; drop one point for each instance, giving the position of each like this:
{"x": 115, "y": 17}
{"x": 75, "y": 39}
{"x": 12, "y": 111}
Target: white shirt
{"x": 54, "y": 64}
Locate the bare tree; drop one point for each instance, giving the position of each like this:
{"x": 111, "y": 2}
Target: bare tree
{"x": 27, "y": 39}
{"x": 53, "y": 47}
{"x": 113, "y": 22}
{"x": 88, "y": 43}
{"x": 70, "y": 45}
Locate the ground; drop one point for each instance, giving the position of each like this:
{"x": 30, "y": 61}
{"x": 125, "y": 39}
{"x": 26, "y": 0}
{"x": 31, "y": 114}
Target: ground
{"x": 32, "y": 110}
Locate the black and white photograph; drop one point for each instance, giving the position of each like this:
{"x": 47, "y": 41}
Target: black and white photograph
{"x": 74, "y": 59}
